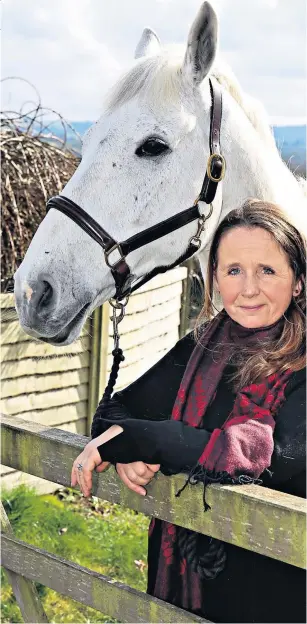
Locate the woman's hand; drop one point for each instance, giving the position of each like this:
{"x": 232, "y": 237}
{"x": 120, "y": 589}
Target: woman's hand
{"x": 136, "y": 474}
{"x": 91, "y": 460}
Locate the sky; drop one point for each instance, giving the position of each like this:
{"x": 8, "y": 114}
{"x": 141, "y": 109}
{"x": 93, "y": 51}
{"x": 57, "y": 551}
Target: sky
{"x": 72, "y": 51}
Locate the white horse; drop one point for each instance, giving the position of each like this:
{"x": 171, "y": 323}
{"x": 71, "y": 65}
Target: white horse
{"x": 128, "y": 183}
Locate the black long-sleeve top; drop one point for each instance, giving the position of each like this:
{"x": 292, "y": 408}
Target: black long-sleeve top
{"x": 252, "y": 587}
{"x": 144, "y": 409}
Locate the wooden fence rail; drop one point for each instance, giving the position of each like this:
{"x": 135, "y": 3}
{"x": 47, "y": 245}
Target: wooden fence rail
{"x": 252, "y": 517}
{"x": 88, "y": 587}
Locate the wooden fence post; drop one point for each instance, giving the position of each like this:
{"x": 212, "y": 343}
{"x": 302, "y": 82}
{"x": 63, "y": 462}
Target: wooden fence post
{"x": 185, "y": 302}
{"x": 98, "y": 363}
{"x": 25, "y": 591}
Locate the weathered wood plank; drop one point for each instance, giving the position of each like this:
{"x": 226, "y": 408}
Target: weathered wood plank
{"x": 185, "y": 303}
{"x": 147, "y": 349}
{"x": 134, "y": 321}
{"x": 33, "y": 401}
{"x": 74, "y": 426}
{"x": 258, "y": 519}
{"x": 44, "y": 366}
{"x": 4, "y": 470}
{"x": 99, "y": 350}
{"x": 8, "y": 314}
{"x": 24, "y": 590}
{"x": 143, "y": 301}
{"x": 78, "y": 426}
{"x": 15, "y": 478}
{"x": 43, "y": 383}
{"x": 42, "y": 350}
{"x": 10, "y": 478}
{"x": 140, "y": 336}
{"x": 88, "y": 587}
{"x": 12, "y": 333}
{"x": 56, "y": 416}
{"x": 7, "y": 300}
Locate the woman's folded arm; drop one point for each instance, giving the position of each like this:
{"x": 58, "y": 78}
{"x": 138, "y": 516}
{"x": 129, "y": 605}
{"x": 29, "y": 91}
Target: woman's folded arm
{"x": 172, "y": 444}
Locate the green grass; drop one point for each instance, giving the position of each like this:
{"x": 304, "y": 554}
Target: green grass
{"x": 99, "y": 535}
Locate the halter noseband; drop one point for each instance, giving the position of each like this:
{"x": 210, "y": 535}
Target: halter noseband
{"x": 118, "y": 251}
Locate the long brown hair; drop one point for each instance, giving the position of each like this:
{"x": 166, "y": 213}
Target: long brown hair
{"x": 290, "y": 349}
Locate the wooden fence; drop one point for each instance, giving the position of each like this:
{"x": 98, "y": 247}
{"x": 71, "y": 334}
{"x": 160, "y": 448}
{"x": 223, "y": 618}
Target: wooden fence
{"x": 251, "y": 517}
{"x": 61, "y": 387}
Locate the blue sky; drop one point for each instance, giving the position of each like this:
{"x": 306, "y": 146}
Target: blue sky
{"x": 73, "y": 50}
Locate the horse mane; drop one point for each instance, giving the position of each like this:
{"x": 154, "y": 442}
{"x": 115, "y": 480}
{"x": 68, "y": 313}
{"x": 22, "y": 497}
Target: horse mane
{"x": 160, "y": 77}
{"x": 252, "y": 107}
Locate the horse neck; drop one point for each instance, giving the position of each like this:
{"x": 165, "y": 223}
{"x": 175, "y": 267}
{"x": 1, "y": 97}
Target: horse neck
{"x": 253, "y": 169}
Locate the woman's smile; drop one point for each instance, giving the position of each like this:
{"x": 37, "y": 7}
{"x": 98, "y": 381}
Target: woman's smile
{"x": 252, "y": 308}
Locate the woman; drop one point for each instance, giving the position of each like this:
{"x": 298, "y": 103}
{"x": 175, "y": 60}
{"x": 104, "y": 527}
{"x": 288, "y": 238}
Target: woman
{"x": 230, "y": 409}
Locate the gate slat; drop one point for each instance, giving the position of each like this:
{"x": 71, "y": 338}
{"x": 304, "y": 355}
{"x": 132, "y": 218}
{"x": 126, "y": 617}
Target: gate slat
{"x": 88, "y": 587}
{"x": 24, "y": 590}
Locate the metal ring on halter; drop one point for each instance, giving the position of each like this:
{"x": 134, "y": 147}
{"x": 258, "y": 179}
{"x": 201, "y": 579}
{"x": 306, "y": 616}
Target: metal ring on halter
{"x": 80, "y": 467}
{"x": 109, "y": 251}
{"x": 206, "y": 217}
{"x": 119, "y": 304}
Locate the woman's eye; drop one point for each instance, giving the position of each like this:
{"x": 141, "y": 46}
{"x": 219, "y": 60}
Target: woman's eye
{"x": 234, "y": 271}
{"x": 268, "y": 271}
{"x": 152, "y": 147}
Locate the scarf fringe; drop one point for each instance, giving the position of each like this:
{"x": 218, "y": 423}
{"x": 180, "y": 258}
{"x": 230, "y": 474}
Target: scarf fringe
{"x": 200, "y": 474}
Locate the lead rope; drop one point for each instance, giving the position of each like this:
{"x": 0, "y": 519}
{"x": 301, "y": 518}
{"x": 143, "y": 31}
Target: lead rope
{"x": 117, "y": 352}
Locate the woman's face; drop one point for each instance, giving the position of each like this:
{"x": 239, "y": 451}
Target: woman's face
{"x": 253, "y": 277}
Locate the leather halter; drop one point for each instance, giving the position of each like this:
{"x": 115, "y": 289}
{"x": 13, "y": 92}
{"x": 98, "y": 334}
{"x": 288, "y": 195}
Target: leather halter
{"x": 120, "y": 270}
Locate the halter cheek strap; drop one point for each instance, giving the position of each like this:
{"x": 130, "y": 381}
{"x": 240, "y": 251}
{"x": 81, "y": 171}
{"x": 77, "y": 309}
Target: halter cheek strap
{"x": 216, "y": 163}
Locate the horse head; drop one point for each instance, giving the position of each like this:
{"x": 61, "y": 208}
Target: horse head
{"x": 142, "y": 162}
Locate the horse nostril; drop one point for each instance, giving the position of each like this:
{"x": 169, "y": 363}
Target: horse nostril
{"x": 46, "y": 295}
{"x": 41, "y": 297}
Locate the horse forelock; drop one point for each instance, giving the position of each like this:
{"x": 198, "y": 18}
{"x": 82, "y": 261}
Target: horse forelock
{"x": 157, "y": 78}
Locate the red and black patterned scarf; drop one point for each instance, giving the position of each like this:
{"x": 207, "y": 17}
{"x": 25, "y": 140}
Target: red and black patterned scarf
{"x": 244, "y": 443}
{"x": 238, "y": 452}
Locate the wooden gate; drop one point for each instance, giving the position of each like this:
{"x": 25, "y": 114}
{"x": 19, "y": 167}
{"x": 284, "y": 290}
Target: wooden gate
{"x": 251, "y": 517}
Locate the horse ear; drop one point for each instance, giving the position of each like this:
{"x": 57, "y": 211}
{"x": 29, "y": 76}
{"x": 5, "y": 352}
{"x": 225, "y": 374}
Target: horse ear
{"x": 202, "y": 44}
{"x": 149, "y": 44}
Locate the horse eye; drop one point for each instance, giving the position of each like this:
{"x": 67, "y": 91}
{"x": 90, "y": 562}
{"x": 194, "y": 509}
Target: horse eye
{"x": 152, "y": 147}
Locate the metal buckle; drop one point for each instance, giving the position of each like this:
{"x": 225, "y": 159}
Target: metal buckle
{"x": 196, "y": 240}
{"x": 209, "y": 164}
{"x": 109, "y": 251}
